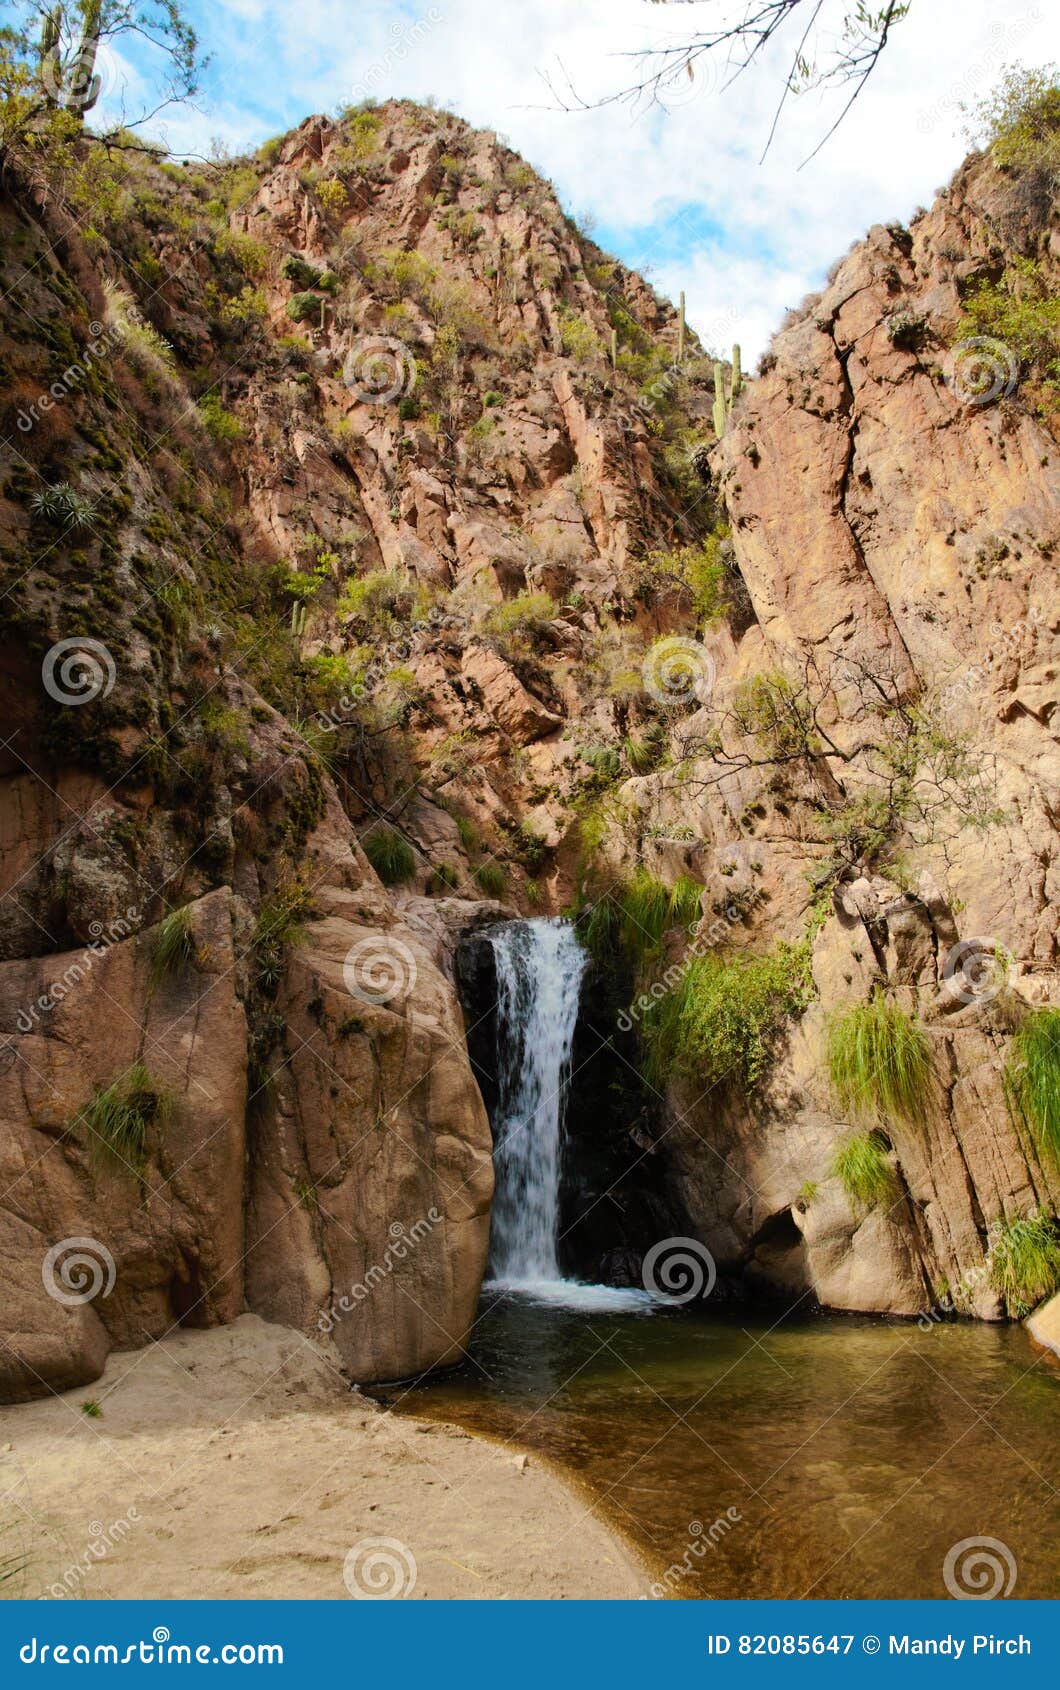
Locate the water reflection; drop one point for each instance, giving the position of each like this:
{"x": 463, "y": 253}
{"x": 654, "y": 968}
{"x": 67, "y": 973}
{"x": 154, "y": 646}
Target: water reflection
{"x": 855, "y": 1452}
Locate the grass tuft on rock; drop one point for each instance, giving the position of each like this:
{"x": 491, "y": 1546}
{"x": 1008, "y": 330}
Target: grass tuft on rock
{"x": 721, "y": 1021}
{"x": 631, "y": 920}
{"x": 1024, "y": 1263}
{"x": 172, "y": 944}
{"x": 390, "y": 854}
{"x": 119, "y": 1118}
{"x": 860, "y": 1165}
{"x": 1032, "y": 1078}
{"x": 879, "y": 1061}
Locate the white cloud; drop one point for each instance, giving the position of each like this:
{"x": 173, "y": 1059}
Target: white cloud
{"x": 683, "y": 191}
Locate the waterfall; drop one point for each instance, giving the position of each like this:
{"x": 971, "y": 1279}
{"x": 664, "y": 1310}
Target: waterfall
{"x": 539, "y": 969}
{"x": 539, "y": 966}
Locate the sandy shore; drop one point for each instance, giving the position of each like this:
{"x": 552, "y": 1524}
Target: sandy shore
{"x": 236, "y": 1463}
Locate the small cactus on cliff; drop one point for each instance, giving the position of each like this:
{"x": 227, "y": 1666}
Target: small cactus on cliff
{"x": 723, "y": 404}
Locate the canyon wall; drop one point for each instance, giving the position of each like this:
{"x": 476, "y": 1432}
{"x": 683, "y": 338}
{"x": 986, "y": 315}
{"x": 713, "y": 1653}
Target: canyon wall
{"x": 360, "y": 461}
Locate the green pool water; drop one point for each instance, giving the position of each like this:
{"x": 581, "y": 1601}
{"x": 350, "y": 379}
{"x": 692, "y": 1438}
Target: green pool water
{"x": 820, "y": 1456}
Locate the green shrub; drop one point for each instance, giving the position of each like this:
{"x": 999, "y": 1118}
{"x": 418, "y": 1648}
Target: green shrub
{"x": 861, "y": 1166}
{"x": 219, "y": 423}
{"x": 172, "y": 944}
{"x": 1019, "y": 122}
{"x": 1024, "y": 1260}
{"x": 580, "y": 339}
{"x": 519, "y": 620}
{"x": 879, "y": 1061}
{"x": 390, "y": 854}
{"x": 298, "y": 270}
{"x": 530, "y": 846}
{"x": 721, "y": 1021}
{"x": 1022, "y": 309}
{"x": 1032, "y": 1078}
{"x": 278, "y": 928}
{"x": 120, "y": 1116}
{"x": 700, "y": 570}
{"x": 302, "y": 307}
{"x": 492, "y": 879}
{"x": 445, "y": 877}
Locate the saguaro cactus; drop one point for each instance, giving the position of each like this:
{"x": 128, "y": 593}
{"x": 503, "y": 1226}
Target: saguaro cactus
{"x": 722, "y": 403}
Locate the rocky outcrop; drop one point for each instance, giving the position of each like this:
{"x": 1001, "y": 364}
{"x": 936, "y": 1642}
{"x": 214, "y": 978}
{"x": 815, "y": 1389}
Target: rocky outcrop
{"x": 887, "y": 521}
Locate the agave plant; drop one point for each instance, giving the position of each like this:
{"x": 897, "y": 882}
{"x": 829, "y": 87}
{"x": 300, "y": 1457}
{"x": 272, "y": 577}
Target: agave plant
{"x": 63, "y": 506}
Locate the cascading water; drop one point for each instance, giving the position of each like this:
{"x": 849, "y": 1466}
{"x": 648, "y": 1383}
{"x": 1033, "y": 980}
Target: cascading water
{"x": 539, "y": 969}
{"x": 539, "y": 966}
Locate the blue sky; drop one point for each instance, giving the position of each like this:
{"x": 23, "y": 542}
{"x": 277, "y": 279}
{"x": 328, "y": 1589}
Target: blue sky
{"x": 679, "y": 193}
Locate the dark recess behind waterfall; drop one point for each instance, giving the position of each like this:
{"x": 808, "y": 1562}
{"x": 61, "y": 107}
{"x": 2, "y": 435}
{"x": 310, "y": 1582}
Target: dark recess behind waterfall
{"x": 617, "y": 1196}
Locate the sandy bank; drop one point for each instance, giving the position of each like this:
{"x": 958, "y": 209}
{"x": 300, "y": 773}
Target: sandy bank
{"x": 235, "y": 1463}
